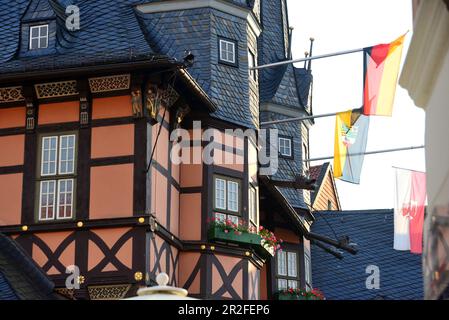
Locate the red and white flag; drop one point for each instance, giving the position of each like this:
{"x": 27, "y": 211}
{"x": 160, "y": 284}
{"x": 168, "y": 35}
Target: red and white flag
{"x": 409, "y": 210}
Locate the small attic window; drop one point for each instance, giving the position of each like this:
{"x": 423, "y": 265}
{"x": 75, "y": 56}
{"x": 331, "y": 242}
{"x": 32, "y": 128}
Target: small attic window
{"x": 285, "y": 147}
{"x": 39, "y": 37}
{"x": 227, "y": 51}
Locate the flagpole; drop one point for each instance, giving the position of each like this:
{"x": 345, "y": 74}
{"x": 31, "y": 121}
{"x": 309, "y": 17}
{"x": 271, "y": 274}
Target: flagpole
{"x": 299, "y": 118}
{"x": 367, "y": 153}
{"x": 275, "y": 64}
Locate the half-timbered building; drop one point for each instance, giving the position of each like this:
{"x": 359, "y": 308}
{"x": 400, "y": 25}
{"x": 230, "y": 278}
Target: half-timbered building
{"x": 87, "y": 177}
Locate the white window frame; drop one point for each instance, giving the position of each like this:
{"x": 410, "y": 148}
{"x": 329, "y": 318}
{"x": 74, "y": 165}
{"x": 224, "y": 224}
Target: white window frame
{"x": 227, "y": 213}
{"x": 231, "y": 201}
{"x": 57, "y": 177}
{"x": 39, "y": 36}
{"x": 224, "y": 207}
{"x": 47, "y": 206}
{"x": 58, "y": 216}
{"x": 282, "y": 146}
{"x": 305, "y": 156}
{"x": 227, "y": 182}
{"x": 308, "y": 270}
{"x": 252, "y": 62}
{"x": 49, "y": 138}
{"x": 60, "y": 153}
{"x": 252, "y": 205}
{"x": 292, "y": 280}
{"x": 228, "y": 47}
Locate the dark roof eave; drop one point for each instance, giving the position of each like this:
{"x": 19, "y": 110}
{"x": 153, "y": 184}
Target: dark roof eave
{"x": 90, "y": 69}
{"x": 204, "y": 97}
{"x": 158, "y": 62}
{"x": 285, "y": 204}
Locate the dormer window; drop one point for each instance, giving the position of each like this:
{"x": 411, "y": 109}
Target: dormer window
{"x": 39, "y": 37}
{"x": 285, "y": 147}
{"x": 227, "y": 51}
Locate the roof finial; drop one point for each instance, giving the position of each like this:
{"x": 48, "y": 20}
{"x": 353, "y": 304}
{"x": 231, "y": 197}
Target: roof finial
{"x": 306, "y": 54}
{"x": 311, "y": 51}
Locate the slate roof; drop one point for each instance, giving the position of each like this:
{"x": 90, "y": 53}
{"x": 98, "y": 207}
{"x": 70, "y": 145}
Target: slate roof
{"x": 285, "y": 84}
{"x": 318, "y": 173}
{"x": 172, "y": 33}
{"x": 372, "y": 230}
{"x": 114, "y": 31}
{"x": 20, "y": 277}
{"x": 106, "y": 36}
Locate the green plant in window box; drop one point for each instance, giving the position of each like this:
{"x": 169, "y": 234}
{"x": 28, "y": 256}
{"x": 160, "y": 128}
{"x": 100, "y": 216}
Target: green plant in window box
{"x": 269, "y": 244}
{"x": 299, "y": 294}
{"x": 230, "y": 232}
{"x": 263, "y": 242}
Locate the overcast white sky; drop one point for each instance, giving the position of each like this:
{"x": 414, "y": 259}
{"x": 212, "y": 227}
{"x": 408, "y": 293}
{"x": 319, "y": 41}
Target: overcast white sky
{"x": 350, "y": 24}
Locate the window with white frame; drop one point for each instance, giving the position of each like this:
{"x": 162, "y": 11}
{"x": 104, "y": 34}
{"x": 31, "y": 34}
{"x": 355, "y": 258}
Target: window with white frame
{"x": 307, "y": 271}
{"x": 285, "y": 147}
{"x": 227, "y": 51}
{"x": 253, "y": 217}
{"x": 39, "y": 37}
{"x": 287, "y": 270}
{"x": 305, "y": 155}
{"x": 227, "y": 199}
{"x": 251, "y": 64}
{"x": 56, "y": 183}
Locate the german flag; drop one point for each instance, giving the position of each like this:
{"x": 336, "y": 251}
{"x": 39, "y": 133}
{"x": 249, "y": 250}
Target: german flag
{"x": 381, "y": 70}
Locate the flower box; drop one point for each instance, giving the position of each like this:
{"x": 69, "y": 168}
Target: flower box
{"x": 217, "y": 234}
{"x": 264, "y": 251}
{"x": 299, "y": 294}
{"x": 286, "y": 296}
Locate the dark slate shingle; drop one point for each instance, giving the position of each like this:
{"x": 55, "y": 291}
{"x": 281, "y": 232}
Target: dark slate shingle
{"x": 373, "y": 231}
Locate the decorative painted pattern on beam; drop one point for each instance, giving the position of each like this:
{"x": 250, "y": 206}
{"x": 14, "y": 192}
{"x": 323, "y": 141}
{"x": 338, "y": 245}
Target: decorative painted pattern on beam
{"x": 110, "y": 83}
{"x": 11, "y": 94}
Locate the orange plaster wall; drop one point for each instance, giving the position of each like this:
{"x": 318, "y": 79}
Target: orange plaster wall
{"x": 161, "y": 155}
{"x": 12, "y": 150}
{"x": 228, "y": 160}
{"x": 112, "y": 141}
{"x": 159, "y": 197}
{"x": 191, "y": 175}
{"x": 190, "y": 217}
{"x": 58, "y": 112}
{"x": 111, "y": 191}
{"x": 10, "y": 199}
{"x": 175, "y": 172}
{"x": 112, "y": 107}
{"x": 53, "y": 241}
{"x": 187, "y": 263}
{"x": 286, "y": 235}
{"x": 174, "y": 211}
{"x": 12, "y": 117}
{"x": 228, "y": 264}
